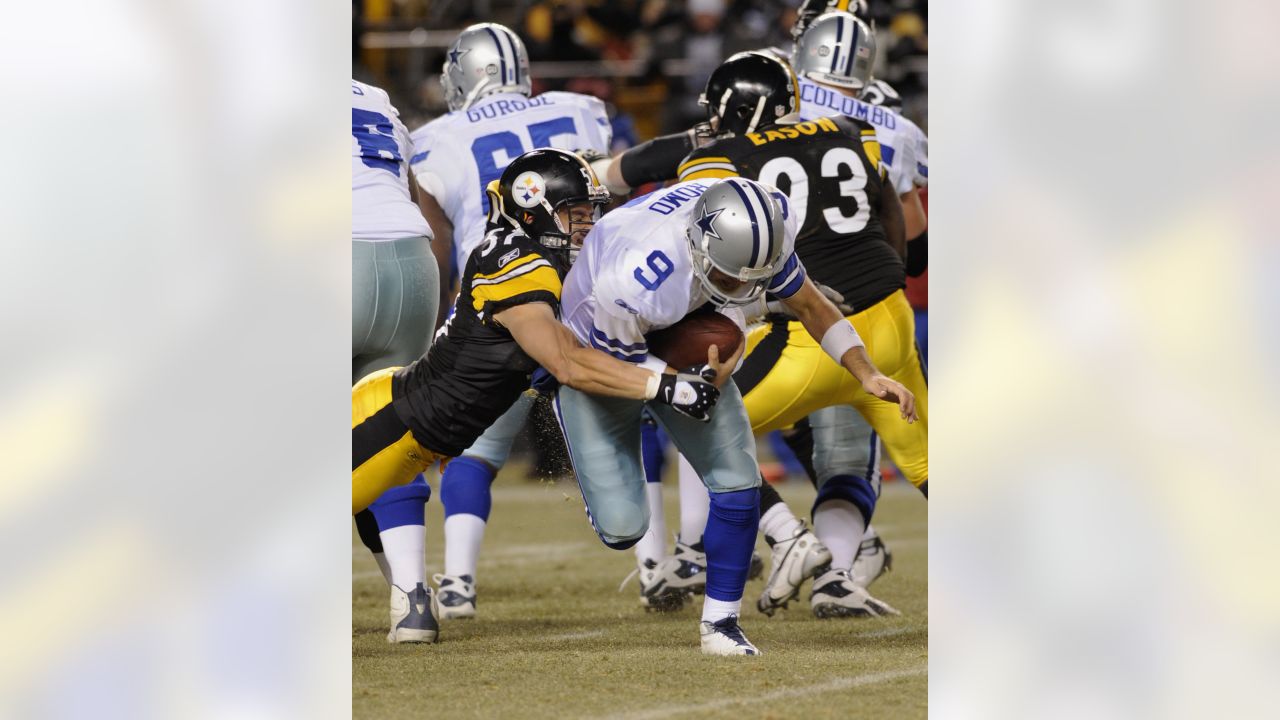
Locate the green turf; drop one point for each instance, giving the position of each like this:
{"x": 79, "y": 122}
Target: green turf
{"x": 555, "y": 638}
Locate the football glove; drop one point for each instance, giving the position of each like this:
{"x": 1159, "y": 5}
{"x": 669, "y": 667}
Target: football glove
{"x": 689, "y": 393}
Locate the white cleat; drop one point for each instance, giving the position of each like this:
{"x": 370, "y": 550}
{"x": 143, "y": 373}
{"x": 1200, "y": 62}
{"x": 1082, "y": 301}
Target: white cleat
{"x": 874, "y": 560}
{"x": 835, "y": 595}
{"x": 412, "y": 619}
{"x": 794, "y": 559}
{"x": 455, "y": 597}
{"x": 725, "y": 637}
{"x": 655, "y": 593}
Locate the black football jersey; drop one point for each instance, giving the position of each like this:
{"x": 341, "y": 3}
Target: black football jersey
{"x": 831, "y": 170}
{"x": 475, "y": 370}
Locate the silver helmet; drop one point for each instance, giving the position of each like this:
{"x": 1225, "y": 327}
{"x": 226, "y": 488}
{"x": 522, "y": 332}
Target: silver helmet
{"x": 837, "y": 48}
{"x": 737, "y": 228}
{"x": 486, "y": 58}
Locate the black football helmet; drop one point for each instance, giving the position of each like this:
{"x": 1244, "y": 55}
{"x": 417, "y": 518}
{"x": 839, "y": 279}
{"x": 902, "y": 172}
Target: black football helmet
{"x": 749, "y": 91}
{"x": 537, "y": 184}
{"x": 811, "y": 9}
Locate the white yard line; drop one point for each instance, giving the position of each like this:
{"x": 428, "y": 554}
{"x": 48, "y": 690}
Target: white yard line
{"x": 841, "y": 683}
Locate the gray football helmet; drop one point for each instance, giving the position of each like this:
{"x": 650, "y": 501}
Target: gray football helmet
{"x": 486, "y": 58}
{"x": 838, "y": 49}
{"x": 737, "y": 228}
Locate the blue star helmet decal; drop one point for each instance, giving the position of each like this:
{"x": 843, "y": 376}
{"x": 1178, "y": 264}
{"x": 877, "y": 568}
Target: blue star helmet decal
{"x": 455, "y": 55}
{"x": 706, "y": 223}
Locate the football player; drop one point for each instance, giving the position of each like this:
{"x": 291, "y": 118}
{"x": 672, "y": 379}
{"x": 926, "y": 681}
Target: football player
{"x": 852, "y": 238}
{"x": 492, "y": 120}
{"x": 828, "y": 89}
{"x": 646, "y": 266}
{"x": 503, "y": 327}
{"x": 394, "y": 291}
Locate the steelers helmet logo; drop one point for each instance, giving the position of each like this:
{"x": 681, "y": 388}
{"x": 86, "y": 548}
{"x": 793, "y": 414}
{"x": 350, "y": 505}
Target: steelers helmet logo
{"x": 528, "y": 189}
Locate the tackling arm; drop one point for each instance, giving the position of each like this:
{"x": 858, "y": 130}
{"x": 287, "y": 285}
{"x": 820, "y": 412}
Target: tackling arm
{"x": 538, "y": 332}
{"x": 826, "y": 325}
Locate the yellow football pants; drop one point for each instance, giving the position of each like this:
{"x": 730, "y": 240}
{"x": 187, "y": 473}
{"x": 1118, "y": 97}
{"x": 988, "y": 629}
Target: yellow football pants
{"x": 786, "y": 376}
{"x": 383, "y": 451}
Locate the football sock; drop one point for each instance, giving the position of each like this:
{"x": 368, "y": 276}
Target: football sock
{"x": 840, "y": 526}
{"x": 401, "y": 517}
{"x": 467, "y": 498}
{"x": 729, "y": 540}
{"x": 777, "y": 523}
{"x": 870, "y": 534}
{"x": 714, "y": 610}
{"x": 653, "y": 546}
{"x": 695, "y": 502}
{"x": 406, "y": 548}
{"x": 462, "y": 537}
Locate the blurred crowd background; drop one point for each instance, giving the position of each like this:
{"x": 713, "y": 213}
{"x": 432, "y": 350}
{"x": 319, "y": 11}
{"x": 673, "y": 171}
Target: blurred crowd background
{"x": 648, "y": 59}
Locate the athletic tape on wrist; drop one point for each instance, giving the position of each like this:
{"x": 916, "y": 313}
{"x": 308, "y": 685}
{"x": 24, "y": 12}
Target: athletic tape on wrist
{"x": 651, "y": 386}
{"x": 839, "y": 339}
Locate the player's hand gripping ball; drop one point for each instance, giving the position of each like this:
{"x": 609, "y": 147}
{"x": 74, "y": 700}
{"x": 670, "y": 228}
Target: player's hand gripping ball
{"x": 685, "y": 344}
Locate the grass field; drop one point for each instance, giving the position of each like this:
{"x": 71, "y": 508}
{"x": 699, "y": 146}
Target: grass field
{"x": 555, "y": 638}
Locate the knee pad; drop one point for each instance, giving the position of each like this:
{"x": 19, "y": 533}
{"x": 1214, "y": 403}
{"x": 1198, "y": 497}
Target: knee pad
{"x": 851, "y": 488}
{"x": 402, "y": 505}
{"x": 464, "y": 487}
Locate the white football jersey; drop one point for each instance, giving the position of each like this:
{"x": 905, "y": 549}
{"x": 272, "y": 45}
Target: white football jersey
{"x": 635, "y": 273}
{"x": 904, "y": 147}
{"x": 381, "y": 208}
{"x": 458, "y": 154}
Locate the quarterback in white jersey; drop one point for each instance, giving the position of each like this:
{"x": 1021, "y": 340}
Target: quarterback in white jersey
{"x": 634, "y": 274}
{"x": 644, "y": 267}
{"x": 491, "y": 123}
{"x": 381, "y": 205}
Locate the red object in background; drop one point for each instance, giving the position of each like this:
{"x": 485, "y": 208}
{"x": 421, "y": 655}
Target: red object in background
{"x": 918, "y": 287}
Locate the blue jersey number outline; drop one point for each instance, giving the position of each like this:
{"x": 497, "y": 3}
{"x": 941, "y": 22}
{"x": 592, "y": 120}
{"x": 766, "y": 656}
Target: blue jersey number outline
{"x": 485, "y": 149}
{"x": 377, "y": 140}
{"x": 661, "y": 270}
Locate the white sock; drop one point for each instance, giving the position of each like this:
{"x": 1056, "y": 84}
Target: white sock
{"x": 406, "y": 551}
{"x": 870, "y": 534}
{"x": 462, "y": 536}
{"x": 381, "y": 559}
{"x": 715, "y": 610}
{"x": 777, "y": 523}
{"x": 653, "y": 546}
{"x": 839, "y": 525}
{"x": 695, "y": 504}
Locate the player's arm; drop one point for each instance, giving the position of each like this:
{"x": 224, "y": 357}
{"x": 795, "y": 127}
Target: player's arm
{"x": 535, "y": 328}
{"x": 656, "y": 160}
{"x": 893, "y": 221}
{"x": 841, "y": 341}
{"x": 441, "y": 247}
{"x": 917, "y": 223}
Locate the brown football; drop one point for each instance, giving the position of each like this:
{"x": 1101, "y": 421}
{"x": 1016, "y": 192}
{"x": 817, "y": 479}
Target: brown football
{"x": 685, "y": 344}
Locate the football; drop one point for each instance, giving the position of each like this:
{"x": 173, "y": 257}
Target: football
{"x": 685, "y": 344}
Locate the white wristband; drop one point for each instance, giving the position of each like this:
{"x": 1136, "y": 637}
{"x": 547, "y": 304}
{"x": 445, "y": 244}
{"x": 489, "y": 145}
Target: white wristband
{"x": 651, "y": 386}
{"x": 839, "y": 339}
